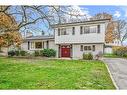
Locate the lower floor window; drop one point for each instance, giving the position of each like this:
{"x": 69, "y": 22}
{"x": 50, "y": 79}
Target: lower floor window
{"x": 32, "y": 45}
{"x": 38, "y": 45}
{"x": 87, "y": 48}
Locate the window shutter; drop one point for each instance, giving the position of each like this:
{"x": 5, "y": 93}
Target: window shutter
{"x": 47, "y": 44}
{"x": 73, "y": 30}
{"x": 98, "y": 27}
{"x": 43, "y": 45}
{"x": 28, "y": 45}
{"x": 58, "y": 31}
{"x": 81, "y": 29}
{"x": 93, "y": 47}
{"x": 81, "y": 48}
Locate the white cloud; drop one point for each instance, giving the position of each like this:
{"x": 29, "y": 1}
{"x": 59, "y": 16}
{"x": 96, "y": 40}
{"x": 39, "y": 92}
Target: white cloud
{"x": 80, "y": 11}
{"x": 125, "y": 10}
{"x": 73, "y": 14}
{"x": 117, "y": 14}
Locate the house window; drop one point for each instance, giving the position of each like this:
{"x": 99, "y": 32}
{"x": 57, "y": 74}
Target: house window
{"x": 58, "y": 31}
{"x": 87, "y": 48}
{"x": 81, "y": 48}
{"x": 93, "y": 47}
{"x": 38, "y": 45}
{"x": 32, "y": 45}
{"x": 86, "y": 29}
{"x": 63, "y": 31}
{"x": 93, "y": 29}
{"x": 98, "y": 27}
{"x": 73, "y": 30}
{"x": 81, "y": 30}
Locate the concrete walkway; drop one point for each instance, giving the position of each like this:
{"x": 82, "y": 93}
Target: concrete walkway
{"x": 118, "y": 69}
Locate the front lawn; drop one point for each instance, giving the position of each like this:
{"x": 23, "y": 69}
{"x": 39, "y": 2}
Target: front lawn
{"x": 53, "y": 74}
{"x": 111, "y": 56}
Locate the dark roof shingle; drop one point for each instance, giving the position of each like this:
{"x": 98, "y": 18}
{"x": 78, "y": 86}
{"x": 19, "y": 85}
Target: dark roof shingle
{"x": 40, "y": 37}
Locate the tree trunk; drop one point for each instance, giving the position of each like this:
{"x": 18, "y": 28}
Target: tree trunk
{"x": 0, "y": 49}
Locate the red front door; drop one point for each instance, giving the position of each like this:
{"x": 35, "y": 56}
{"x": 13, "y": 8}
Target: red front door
{"x": 65, "y": 51}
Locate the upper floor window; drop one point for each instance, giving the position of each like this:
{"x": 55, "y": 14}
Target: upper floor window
{"x": 86, "y": 29}
{"x": 73, "y": 30}
{"x": 89, "y": 29}
{"x": 62, "y": 31}
{"x": 93, "y": 29}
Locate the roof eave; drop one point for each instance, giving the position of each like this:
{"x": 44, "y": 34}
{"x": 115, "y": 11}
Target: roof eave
{"x": 80, "y": 23}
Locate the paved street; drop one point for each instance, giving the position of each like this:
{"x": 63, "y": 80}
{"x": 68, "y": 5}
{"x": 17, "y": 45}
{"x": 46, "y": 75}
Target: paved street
{"x": 118, "y": 69}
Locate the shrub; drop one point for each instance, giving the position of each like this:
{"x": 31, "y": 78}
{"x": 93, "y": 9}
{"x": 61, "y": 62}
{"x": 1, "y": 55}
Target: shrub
{"x": 23, "y": 53}
{"x": 17, "y": 53}
{"x": 1, "y": 51}
{"x": 36, "y": 53}
{"x": 120, "y": 51}
{"x": 30, "y": 55}
{"x": 11, "y": 53}
{"x": 125, "y": 55}
{"x": 88, "y": 56}
{"x": 49, "y": 53}
{"x": 41, "y": 52}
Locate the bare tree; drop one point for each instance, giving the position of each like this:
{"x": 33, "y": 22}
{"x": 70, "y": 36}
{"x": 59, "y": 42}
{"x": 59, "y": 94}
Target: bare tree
{"x": 102, "y": 16}
{"x": 26, "y": 16}
{"x": 122, "y": 30}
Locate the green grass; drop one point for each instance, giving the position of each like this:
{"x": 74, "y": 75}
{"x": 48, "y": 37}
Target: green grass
{"x": 111, "y": 56}
{"x": 53, "y": 74}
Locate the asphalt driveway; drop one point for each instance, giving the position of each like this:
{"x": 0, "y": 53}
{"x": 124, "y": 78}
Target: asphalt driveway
{"x": 118, "y": 69}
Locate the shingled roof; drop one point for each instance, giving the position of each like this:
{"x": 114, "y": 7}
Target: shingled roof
{"x": 40, "y": 37}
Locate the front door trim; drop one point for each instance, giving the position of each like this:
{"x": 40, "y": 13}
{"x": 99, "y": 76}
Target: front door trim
{"x": 65, "y": 51}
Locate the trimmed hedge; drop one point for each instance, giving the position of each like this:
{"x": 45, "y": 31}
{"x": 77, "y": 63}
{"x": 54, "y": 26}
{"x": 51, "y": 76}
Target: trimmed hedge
{"x": 36, "y": 53}
{"x": 17, "y": 53}
{"x": 11, "y": 53}
{"x": 49, "y": 53}
{"x": 45, "y": 53}
{"x": 23, "y": 53}
{"x": 41, "y": 53}
{"x": 88, "y": 56}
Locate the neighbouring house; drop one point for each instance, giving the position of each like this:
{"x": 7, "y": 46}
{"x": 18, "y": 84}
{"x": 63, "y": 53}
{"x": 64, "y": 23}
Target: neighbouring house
{"x": 73, "y": 39}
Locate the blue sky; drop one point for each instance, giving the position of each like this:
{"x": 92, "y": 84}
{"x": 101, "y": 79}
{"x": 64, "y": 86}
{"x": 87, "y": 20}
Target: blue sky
{"x": 118, "y": 12}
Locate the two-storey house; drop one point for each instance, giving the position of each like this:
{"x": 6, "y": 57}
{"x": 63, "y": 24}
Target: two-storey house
{"x": 73, "y": 39}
